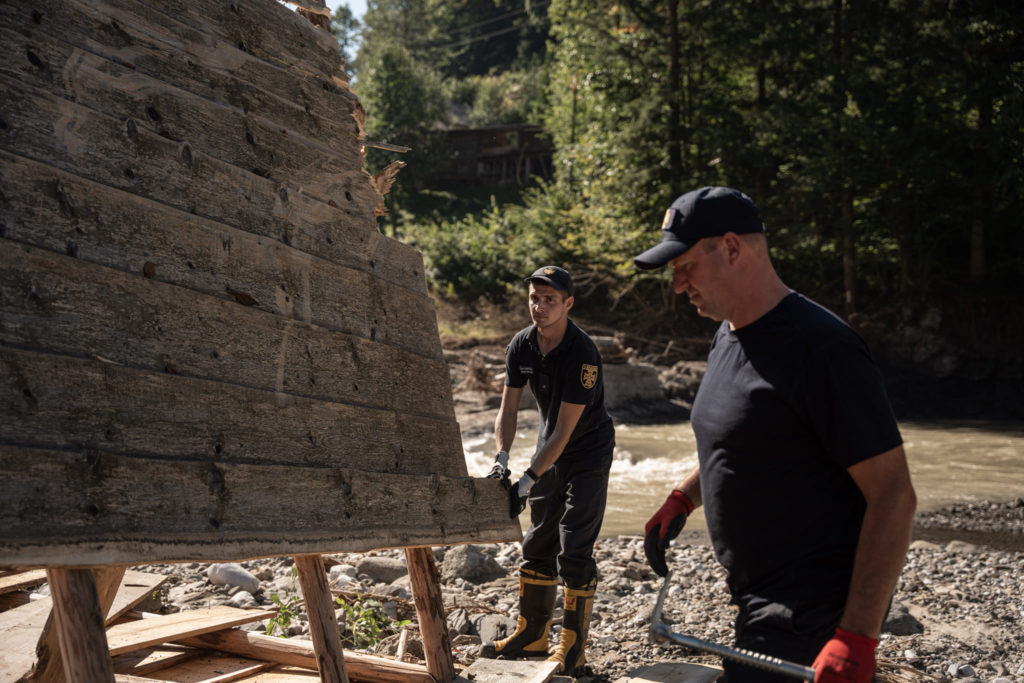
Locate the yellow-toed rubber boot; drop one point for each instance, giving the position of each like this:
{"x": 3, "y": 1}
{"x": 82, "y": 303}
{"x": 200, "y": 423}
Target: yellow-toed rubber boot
{"x": 536, "y": 603}
{"x": 579, "y": 604}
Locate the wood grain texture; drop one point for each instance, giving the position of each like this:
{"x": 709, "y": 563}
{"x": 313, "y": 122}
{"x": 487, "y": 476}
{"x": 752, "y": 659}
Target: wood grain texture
{"x": 323, "y": 625}
{"x": 135, "y": 635}
{"x": 92, "y": 506}
{"x": 64, "y": 305}
{"x": 426, "y": 592}
{"x": 63, "y": 213}
{"x": 121, "y": 154}
{"x": 78, "y": 617}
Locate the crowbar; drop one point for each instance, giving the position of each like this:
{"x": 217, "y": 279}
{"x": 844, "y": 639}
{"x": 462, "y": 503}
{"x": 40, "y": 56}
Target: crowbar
{"x": 660, "y": 633}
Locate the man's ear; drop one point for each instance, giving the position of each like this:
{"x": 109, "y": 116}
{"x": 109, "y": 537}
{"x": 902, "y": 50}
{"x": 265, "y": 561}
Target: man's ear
{"x": 732, "y": 244}
{"x": 569, "y": 301}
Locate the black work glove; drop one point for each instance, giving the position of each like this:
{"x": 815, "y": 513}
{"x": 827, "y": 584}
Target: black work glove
{"x": 665, "y": 525}
{"x": 519, "y": 492}
{"x": 500, "y": 468}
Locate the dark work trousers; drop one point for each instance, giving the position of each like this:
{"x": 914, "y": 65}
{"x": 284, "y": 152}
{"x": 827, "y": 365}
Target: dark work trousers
{"x": 793, "y": 633}
{"x": 566, "y": 510}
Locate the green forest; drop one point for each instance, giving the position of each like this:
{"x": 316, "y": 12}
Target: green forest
{"x": 881, "y": 140}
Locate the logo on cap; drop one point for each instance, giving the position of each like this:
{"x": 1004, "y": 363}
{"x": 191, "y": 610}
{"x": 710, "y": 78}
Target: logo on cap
{"x": 668, "y": 219}
{"x": 549, "y": 271}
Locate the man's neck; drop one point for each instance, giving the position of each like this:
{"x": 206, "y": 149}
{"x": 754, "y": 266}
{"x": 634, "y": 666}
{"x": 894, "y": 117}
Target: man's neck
{"x": 757, "y": 304}
{"x": 550, "y": 337}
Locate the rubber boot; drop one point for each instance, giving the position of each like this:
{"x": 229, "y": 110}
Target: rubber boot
{"x": 579, "y": 604}
{"x": 536, "y": 603}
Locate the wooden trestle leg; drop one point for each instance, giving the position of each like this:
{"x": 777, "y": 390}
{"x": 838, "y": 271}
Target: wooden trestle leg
{"x": 323, "y": 626}
{"x": 78, "y": 617}
{"x": 426, "y": 594}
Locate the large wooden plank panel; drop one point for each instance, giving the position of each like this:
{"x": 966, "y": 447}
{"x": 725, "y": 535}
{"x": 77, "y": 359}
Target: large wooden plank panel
{"x": 64, "y": 213}
{"x": 81, "y": 508}
{"x": 64, "y": 305}
{"x": 319, "y": 107}
{"x": 234, "y": 136}
{"x": 118, "y": 153}
{"x": 70, "y": 403}
{"x": 135, "y": 635}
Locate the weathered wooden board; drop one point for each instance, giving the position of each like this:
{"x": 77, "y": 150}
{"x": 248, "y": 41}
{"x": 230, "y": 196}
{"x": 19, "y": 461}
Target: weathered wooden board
{"x": 20, "y": 630}
{"x": 115, "y": 508}
{"x": 210, "y": 668}
{"x": 290, "y": 674}
{"x": 80, "y": 309}
{"x": 134, "y": 589}
{"x": 225, "y": 133}
{"x": 299, "y": 653}
{"x": 120, "y": 154}
{"x": 17, "y": 581}
{"x": 673, "y": 672}
{"x": 71, "y": 403}
{"x": 321, "y": 107}
{"x": 508, "y": 671}
{"x": 135, "y": 635}
{"x": 60, "y": 212}
{"x": 146, "y": 660}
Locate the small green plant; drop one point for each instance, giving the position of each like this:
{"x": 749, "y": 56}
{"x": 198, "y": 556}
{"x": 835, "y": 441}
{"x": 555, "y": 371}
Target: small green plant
{"x": 288, "y": 609}
{"x": 366, "y": 622}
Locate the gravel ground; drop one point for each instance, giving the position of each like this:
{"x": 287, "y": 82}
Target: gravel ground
{"x": 958, "y": 612}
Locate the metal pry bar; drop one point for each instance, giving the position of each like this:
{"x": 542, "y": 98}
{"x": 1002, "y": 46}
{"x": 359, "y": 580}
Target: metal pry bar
{"x": 660, "y": 632}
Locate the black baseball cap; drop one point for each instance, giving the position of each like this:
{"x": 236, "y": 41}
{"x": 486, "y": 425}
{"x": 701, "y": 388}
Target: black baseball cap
{"x": 558, "y": 278}
{"x": 707, "y": 212}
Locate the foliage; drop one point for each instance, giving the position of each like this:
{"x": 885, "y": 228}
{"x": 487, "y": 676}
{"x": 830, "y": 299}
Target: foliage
{"x": 882, "y": 140}
{"x": 346, "y": 29}
{"x": 366, "y": 622}
{"x": 288, "y": 610}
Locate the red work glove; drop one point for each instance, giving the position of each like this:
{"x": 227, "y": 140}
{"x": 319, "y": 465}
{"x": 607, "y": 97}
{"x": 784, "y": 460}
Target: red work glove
{"x": 847, "y": 657}
{"x": 665, "y": 525}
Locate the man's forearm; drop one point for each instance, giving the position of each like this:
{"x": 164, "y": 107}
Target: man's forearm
{"x": 881, "y": 553}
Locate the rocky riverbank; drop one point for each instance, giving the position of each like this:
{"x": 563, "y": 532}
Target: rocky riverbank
{"x": 957, "y": 613}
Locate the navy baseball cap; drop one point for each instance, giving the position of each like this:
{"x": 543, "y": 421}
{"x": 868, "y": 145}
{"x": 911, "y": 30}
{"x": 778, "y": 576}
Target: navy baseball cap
{"x": 707, "y": 212}
{"x": 558, "y": 278}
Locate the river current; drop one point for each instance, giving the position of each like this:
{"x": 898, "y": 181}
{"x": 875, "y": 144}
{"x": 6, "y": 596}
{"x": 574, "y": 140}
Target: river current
{"x": 950, "y": 462}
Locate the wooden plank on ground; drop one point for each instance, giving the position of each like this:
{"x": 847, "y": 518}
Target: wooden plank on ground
{"x": 20, "y": 629}
{"x": 145, "y": 661}
{"x": 299, "y": 653}
{"x": 22, "y": 580}
{"x": 210, "y": 668}
{"x": 134, "y": 635}
{"x": 673, "y": 672}
{"x": 285, "y": 674}
{"x": 508, "y": 671}
{"x": 135, "y": 587}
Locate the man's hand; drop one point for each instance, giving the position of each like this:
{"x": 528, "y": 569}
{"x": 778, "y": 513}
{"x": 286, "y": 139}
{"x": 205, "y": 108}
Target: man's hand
{"x": 848, "y": 657}
{"x": 500, "y": 468}
{"x": 518, "y": 493}
{"x": 665, "y": 525}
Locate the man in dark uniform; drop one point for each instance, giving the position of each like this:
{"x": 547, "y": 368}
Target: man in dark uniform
{"x": 567, "y": 480}
{"x": 801, "y": 468}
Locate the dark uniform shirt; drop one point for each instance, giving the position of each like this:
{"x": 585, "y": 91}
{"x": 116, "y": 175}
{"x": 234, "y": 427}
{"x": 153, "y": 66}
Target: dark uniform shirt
{"x": 570, "y": 372}
{"x": 788, "y": 403}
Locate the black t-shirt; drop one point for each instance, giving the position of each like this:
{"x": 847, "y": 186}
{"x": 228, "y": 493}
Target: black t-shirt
{"x": 570, "y": 372}
{"x": 786, "y": 405}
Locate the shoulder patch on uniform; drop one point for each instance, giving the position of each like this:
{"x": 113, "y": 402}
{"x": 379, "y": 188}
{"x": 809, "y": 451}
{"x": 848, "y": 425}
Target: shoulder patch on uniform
{"x": 588, "y": 376}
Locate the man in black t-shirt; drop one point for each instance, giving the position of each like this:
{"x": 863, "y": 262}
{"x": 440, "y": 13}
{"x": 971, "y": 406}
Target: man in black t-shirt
{"x": 801, "y": 470}
{"x": 567, "y": 480}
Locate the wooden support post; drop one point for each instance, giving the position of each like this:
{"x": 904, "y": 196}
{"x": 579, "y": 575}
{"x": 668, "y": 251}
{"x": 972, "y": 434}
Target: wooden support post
{"x": 323, "y": 625}
{"x": 49, "y": 667}
{"x": 426, "y": 594}
{"x": 78, "y": 617}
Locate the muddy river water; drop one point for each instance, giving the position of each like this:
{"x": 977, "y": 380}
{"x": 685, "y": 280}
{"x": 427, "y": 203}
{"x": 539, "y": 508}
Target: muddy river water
{"x": 950, "y": 462}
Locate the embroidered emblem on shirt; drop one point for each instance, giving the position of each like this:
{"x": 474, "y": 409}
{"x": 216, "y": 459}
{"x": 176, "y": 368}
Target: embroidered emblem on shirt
{"x": 526, "y": 369}
{"x": 588, "y": 376}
